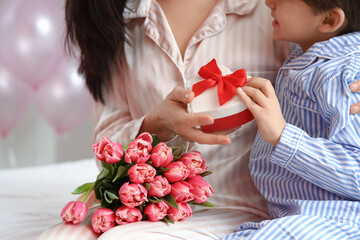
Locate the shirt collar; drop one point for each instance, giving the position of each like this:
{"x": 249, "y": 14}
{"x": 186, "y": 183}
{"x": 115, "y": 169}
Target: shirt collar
{"x": 141, "y": 8}
{"x": 336, "y": 47}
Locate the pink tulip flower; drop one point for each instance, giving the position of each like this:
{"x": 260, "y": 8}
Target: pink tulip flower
{"x": 180, "y": 214}
{"x": 141, "y": 172}
{"x": 181, "y": 191}
{"x": 146, "y": 137}
{"x": 107, "y": 151}
{"x": 139, "y": 149}
{"x": 125, "y": 215}
{"x": 177, "y": 172}
{"x": 161, "y": 155}
{"x": 194, "y": 162}
{"x": 202, "y": 190}
{"x": 156, "y": 211}
{"x": 132, "y": 194}
{"x": 102, "y": 220}
{"x": 159, "y": 187}
{"x": 74, "y": 212}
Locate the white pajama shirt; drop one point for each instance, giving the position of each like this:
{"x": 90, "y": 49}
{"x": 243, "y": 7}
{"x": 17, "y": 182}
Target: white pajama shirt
{"x": 238, "y": 34}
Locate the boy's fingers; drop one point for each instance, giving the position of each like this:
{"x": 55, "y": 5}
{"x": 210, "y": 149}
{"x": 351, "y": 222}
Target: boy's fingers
{"x": 264, "y": 85}
{"x": 255, "y": 95}
{"x": 246, "y": 99}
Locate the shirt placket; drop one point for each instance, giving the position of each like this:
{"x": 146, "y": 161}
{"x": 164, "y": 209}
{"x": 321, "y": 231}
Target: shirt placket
{"x": 158, "y": 29}
{"x": 214, "y": 24}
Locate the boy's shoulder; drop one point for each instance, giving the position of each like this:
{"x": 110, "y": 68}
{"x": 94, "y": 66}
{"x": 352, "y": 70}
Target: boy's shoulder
{"x": 338, "y": 47}
{"x": 338, "y": 54}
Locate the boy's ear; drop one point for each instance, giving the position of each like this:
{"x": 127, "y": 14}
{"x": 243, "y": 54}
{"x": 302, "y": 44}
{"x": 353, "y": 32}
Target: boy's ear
{"x": 333, "y": 21}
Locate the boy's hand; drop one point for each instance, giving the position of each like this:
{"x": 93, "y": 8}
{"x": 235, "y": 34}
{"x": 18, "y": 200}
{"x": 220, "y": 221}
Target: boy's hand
{"x": 259, "y": 96}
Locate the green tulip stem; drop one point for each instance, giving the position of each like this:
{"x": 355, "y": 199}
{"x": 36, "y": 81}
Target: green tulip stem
{"x": 87, "y": 194}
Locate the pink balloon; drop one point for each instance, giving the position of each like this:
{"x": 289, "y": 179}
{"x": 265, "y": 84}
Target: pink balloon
{"x": 14, "y": 98}
{"x": 31, "y": 43}
{"x": 64, "y": 101}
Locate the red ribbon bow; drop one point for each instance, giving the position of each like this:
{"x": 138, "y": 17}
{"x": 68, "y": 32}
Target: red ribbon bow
{"x": 226, "y": 84}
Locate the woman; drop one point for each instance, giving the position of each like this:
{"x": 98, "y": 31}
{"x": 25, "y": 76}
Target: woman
{"x": 139, "y": 62}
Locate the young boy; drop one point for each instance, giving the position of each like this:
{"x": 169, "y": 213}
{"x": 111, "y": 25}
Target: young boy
{"x": 306, "y": 156}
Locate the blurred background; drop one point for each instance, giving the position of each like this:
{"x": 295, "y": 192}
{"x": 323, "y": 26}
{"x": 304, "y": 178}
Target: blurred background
{"x": 45, "y": 108}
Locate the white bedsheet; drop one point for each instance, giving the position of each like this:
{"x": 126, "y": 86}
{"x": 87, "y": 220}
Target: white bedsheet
{"x": 31, "y": 199}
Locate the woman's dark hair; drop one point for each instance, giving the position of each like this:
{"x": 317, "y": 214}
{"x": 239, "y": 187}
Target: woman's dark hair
{"x": 97, "y": 27}
{"x": 351, "y": 9}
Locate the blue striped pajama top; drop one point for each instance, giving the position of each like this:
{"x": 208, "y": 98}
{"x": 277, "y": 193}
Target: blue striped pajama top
{"x": 315, "y": 168}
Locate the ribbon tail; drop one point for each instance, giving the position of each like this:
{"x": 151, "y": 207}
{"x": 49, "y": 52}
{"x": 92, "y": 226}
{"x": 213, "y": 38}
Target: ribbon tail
{"x": 225, "y": 92}
{"x": 228, "y": 85}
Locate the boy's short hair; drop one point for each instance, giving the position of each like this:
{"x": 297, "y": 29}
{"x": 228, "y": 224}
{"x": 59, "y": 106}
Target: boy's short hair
{"x": 351, "y": 9}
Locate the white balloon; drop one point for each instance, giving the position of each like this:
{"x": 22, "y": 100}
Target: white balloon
{"x": 64, "y": 101}
{"x": 31, "y": 42}
{"x": 14, "y": 99}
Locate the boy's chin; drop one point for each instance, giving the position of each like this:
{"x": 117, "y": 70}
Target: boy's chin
{"x": 277, "y": 37}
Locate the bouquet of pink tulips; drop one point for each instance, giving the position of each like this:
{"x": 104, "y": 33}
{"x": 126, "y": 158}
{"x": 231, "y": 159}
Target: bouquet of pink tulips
{"x": 147, "y": 180}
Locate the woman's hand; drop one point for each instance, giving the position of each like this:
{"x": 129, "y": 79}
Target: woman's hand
{"x": 171, "y": 118}
{"x": 259, "y": 96}
{"x": 355, "y": 87}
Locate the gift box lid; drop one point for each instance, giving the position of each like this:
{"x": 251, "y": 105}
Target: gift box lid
{"x": 230, "y": 114}
{"x": 207, "y": 103}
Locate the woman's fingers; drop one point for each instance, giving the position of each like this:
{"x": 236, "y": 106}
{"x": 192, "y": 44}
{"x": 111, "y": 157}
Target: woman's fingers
{"x": 188, "y": 129}
{"x": 355, "y": 108}
{"x": 179, "y": 94}
{"x": 196, "y": 135}
{"x": 355, "y": 87}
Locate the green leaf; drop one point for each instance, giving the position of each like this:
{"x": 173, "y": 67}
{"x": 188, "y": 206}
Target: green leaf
{"x": 83, "y": 188}
{"x": 107, "y": 183}
{"x": 205, "y": 204}
{"x": 120, "y": 171}
{"x": 110, "y": 168}
{"x": 125, "y": 147}
{"x": 205, "y": 173}
{"x": 169, "y": 199}
{"x": 154, "y": 199}
{"x": 177, "y": 151}
{"x": 104, "y": 173}
{"x": 97, "y": 188}
{"x": 161, "y": 169}
{"x": 168, "y": 219}
{"x": 109, "y": 196}
{"x": 141, "y": 208}
{"x": 147, "y": 186}
{"x": 156, "y": 140}
{"x": 99, "y": 193}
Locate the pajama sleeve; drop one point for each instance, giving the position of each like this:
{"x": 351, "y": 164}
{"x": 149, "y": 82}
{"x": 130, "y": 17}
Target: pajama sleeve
{"x": 332, "y": 163}
{"x": 113, "y": 119}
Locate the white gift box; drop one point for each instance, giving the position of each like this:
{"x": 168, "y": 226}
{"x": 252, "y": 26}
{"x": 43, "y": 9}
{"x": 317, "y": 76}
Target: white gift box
{"x": 231, "y": 114}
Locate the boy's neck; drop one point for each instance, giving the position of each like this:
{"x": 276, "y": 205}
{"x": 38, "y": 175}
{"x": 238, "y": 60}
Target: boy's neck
{"x": 320, "y": 38}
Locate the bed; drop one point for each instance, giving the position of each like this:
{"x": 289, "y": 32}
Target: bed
{"x": 32, "y": 198}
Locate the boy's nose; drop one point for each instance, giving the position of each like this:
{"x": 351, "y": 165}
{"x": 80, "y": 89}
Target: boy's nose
{"x": 270, "y": 3}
